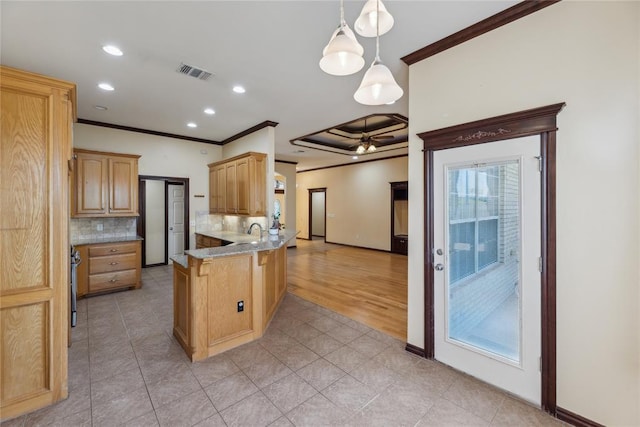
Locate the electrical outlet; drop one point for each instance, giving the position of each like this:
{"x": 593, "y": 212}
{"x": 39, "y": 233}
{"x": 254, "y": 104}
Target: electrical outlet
{"x": 240, "y": 306}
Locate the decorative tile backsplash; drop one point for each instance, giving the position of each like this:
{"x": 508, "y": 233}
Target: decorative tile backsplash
{"x": 206, "y": 222}
{"x": 101, "y": 228}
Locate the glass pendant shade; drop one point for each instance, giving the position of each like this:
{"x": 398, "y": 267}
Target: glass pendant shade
{"x": 343, "y": 55}
{"x": 371, "y": 149}
{"x": 366, "y": 23}
{"x": 361, "y": 149}
{"x": 378, "y": 86}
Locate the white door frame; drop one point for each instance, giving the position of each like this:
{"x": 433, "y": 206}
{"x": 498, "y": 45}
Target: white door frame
{"x": 539, "y": 121}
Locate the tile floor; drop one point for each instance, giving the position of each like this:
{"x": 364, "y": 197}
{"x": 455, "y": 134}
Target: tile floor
{"x": 313, "y": 367}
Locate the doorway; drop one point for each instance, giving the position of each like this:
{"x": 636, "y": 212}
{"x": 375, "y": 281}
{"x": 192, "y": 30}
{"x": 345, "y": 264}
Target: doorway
{"x": 487, "y": 247}
{"x": 317, "y": 213}
{"x": 541, "y": 123}
{"x": 164, "y": 213}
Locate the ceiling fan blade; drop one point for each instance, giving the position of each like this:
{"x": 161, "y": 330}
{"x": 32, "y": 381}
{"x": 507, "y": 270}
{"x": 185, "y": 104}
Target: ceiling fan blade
{"x": 381, "y": 137}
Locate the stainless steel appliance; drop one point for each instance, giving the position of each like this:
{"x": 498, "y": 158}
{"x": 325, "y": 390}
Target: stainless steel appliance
{"x": 75, "y": 261}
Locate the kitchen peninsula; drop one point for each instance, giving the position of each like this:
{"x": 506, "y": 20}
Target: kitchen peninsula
{"x": 225, "y": 296}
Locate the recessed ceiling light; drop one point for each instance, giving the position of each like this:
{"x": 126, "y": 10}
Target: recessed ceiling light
{"x": 239, "y": 89}
{"x": 106, "y": 86}
{"x": 354, "y": 157}
{"x": 192, "y": 125}
{"x": 209, "y": 111}
{"x": 112, "y": 50}
{"x": 100, "y": 107}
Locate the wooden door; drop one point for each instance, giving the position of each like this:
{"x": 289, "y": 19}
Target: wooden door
{"x": 123, "y": 181}
{"x": 91, "y": 185}
{"x": 36, "y": 116}
{"x": 231, "y": 188}
{"x": 243, "y": 185}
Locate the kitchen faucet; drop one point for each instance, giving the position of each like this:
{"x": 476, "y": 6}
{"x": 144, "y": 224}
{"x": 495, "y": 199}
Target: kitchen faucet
{"x": 251, "y": 228}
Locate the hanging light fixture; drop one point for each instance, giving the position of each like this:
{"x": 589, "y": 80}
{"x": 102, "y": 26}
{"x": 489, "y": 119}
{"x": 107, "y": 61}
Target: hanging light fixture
{"x": 343, "y": 55}
{"x": 372, "y": 16}
{"x": 378, "y": 85}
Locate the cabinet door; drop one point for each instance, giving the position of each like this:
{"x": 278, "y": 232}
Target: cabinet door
{"x": 257, "y": 185}
{"x": 213, "y": 186}
{"x": 243, "y": 185}
{"x": 221, "y": 193}
{"x": 231, "y": 188}
{"x": 91, "y": 185}
{"x": 35, "y": 123}
{"x": 123, "y": 194}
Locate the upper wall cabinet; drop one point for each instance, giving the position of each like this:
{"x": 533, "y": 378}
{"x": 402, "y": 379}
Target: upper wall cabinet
{"x": 238, "y": 185}
{"x": 104, "y": 184}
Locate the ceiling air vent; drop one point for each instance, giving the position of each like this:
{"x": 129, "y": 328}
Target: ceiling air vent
{"x": 192, "y": 71}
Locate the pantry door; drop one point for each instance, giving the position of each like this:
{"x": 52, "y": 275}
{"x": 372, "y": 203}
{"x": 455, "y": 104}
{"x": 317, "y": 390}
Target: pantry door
{"x": 487, "y": 262}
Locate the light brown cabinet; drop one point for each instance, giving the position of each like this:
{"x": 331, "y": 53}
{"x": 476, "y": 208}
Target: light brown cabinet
{"x": 104, "y": 184}
{"x": 108, "y": 267}
{"x": 203, "y": 241}
{"x": 36, "y": 117}
{"x": 238, "y": 185}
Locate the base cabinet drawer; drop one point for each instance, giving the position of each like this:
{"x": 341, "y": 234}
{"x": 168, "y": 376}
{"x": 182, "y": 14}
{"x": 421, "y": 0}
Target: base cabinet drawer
{"x": 116, "y": 279}
{"x": 112, "y": 263}
{"x": 113, "y": 249}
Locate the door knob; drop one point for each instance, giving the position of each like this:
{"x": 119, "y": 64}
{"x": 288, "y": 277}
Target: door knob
{"x": 439, "y": 267}
{"x": 170, "y": 228}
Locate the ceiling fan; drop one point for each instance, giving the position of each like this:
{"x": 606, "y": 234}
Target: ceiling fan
{"x": 366, "y": 140}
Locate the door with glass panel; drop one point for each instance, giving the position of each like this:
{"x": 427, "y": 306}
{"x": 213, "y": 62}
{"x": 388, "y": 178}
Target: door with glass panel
{"x": 486, "y": 256}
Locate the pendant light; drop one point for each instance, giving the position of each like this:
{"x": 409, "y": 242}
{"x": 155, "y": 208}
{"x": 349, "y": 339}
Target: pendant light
{"x": 343, "y": 55}
{"x": 373, "y": 15}
{"x": 378, "y": 86}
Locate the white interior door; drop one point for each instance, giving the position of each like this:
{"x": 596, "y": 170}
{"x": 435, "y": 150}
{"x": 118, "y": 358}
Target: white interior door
{"x": 175, "y": 215}
{"x": 487, "y": 252}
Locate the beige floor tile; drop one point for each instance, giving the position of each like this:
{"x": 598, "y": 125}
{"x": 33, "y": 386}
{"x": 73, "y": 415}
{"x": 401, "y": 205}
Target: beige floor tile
{"x": 230, "y": 390}
{"x": 321, "y": 374}
{"x": 345, "y": 334}
{"x": 289, "y": 392}
{"x": 79, "y": 400}
{"x": 173, "y": 386}
{"x": 444, "y": 414}
{"x": 318, "y": 411}
{"x": 513, "y": 412}
{"x": 375, "y": 375}
{"x": 79, "y": 419}
{"x": 147, "y": 420}
{"x": 121, "y": 409}
{"x": 349, "y": 393}
{"x": 323, "y": 344}
{"x": 213, "y": 369}
{"x": 346, "y": 358}
{"x": 110, "y": 388}
{"x": 255, "y": 410}
{"x": 368, "y": 346}
{"x": 296, "y": 357}
{"x": 475, "y": 396}
{"x": 266, "y": 371}
{"x": 186, "y": 411}
{"x": 213, "y": 421}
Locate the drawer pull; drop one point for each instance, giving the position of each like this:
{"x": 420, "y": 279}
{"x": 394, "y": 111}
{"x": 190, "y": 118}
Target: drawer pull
{"x": 113, "y": 263}
{"x": 113, "y": 280}
{"x": 113, "y": 250}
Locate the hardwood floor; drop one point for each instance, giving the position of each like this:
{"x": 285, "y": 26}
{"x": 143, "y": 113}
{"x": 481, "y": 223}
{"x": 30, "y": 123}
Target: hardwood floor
{"x": 366, "y": 285}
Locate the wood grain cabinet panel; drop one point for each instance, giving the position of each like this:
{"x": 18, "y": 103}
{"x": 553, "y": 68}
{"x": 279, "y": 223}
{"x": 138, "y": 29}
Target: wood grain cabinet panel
{"x": 109, "y": 267}
{"x": 36, "y": 118}
{"x": 238, "y": 185}
{"x": 104, "y": 184}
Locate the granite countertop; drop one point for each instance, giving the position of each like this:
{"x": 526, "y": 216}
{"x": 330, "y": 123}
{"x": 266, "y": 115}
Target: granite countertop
{"x": 180, "y": 259}
{"x": 77, "y": 241}
{"x": 243, "y": 243}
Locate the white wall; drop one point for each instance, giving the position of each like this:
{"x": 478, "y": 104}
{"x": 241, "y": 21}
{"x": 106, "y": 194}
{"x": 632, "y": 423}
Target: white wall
{"x": 161, "y": 156}
{"x": 154, "y": 221}
{"x": 587, "y": 55}
{"x": 358, "y": 201}
{"x": 261, "y": 141}
{"x": 288, "y": 170}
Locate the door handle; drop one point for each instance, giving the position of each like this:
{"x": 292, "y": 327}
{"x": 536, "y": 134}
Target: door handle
{"x": 439, "y": 267}
{"x": 170, "y": 228}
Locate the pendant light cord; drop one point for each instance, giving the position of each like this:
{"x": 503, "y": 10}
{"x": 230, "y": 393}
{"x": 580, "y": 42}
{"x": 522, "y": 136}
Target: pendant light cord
{"x": 377, "y": 31}
{"x": 342, "y": 21}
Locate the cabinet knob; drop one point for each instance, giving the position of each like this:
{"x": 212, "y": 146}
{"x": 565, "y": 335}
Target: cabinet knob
{"x": 113, "y": 250}
{"x": 113, "y": 263}
{"x": 113, "y": 280}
